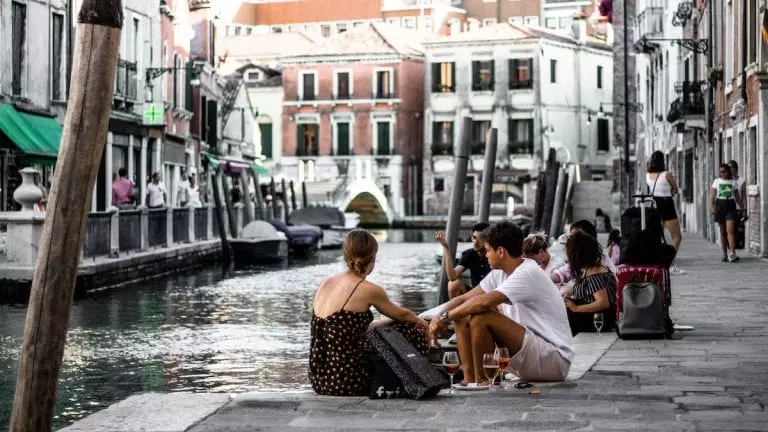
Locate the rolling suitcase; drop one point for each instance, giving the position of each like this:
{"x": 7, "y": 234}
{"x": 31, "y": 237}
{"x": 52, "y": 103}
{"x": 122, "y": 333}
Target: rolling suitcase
{"x": 642, "y": 234}
{"x": 643, "y": 298}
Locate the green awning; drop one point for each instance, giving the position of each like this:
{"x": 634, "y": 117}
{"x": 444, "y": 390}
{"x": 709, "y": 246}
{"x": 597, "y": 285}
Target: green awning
{"x": 212, "y": 161}
{"x": 36, "y": 136}
{"x": 259, "y": 169}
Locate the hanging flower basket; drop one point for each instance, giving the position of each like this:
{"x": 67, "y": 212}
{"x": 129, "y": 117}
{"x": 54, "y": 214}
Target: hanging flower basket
{"x": 606, "y": 9}
{"x": 715, "y": 74}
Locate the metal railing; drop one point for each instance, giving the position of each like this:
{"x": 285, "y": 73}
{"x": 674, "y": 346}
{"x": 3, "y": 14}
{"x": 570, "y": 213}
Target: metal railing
{"x": 130, "y": 230}
{"x": 201, "y": 223}
{"x": 126, "y": 84}
{"x": 180, "y": 225}
{"x": 157, "y": 226}
{"x": 650, "y": 23}
{"x": 98, "y": 232}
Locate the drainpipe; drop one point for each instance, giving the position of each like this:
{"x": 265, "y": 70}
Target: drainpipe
{"x": 70, "y": 44}
{"x": 744, "y": 21}
{"x": 710, "y": 107}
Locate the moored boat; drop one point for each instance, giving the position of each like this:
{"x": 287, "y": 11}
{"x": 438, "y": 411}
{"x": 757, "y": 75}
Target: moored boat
{"x": 335, "y": 224}
{"x": 260, "y": 243}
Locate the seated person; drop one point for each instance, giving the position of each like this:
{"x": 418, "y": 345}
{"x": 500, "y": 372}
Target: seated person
{"x": 613, "y": 247}
{"x": 594, "y": 287}
{"x": 472, "y": 259}
{"x": 536, "y": 247}
{"x": 563, "y": 274}
{"x": 339, "y": 352}
{"x": 533, "y": 326}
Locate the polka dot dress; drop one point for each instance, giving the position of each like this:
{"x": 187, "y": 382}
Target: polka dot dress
{"x": 339, "y": 362}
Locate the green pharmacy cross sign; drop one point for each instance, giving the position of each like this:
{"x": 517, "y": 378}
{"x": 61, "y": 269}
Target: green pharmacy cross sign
{"x": 154, "y": 114}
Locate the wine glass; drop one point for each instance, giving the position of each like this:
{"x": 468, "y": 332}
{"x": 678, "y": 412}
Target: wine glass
{"x": 598, "y": 321}
{"x": 502, "y": 353}
{"x": 451, "y": 362}
{"x": 491, "y": 368}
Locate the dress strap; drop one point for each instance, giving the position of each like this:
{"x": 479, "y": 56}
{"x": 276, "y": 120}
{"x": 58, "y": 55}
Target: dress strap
{"x": 351, "y": 294}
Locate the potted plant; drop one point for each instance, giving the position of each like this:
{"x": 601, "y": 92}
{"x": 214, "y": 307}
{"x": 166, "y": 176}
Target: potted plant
{"x": 715, "y": 74}
{"x": 606, "y": 9}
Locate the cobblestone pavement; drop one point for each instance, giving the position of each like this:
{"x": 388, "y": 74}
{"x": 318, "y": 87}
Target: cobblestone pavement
{"x": 712, "y": 379}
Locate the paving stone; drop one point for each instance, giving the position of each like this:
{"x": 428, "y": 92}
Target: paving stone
{"x": 709, "y": 400}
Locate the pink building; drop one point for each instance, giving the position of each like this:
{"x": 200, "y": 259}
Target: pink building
{"x": 352, "y": 116}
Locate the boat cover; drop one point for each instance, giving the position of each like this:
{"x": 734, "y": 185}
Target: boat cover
{"x": 259, "y": 230}
{"x": 324, "y": 217}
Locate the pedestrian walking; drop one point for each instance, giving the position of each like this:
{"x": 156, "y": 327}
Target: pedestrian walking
{"x": 663, "y": 187}
{"x": 722, "y": 205}
{"x": 156, "y": 192}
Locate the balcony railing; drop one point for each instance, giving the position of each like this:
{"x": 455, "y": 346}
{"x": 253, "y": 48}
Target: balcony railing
{"x": 650, "y": 23}
{"x": 126, "y": 85}
{"x": 686, "y": 106}
{"x": 442, "y": 149}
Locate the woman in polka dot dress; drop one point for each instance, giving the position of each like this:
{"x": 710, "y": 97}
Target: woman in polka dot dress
{"x": 339, "y": 353}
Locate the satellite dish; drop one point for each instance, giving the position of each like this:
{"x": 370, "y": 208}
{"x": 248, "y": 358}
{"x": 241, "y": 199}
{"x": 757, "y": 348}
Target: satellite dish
{"x": 562, "y": 155}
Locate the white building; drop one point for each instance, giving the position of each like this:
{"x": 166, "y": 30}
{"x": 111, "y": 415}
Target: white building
{"x": 540, "y": 88}
{"x": 33, "y": 87}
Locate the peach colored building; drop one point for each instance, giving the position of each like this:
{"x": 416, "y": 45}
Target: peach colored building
{"x": 353, "y": 119}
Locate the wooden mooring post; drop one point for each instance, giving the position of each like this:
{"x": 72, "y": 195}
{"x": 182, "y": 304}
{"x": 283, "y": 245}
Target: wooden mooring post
{"x": 82, "y": 144}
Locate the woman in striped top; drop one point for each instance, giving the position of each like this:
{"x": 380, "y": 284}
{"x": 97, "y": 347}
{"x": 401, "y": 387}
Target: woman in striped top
{"x": 594, "y": 288}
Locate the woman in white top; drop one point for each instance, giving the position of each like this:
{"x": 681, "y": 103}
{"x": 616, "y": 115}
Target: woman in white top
{"x": 722, "y": 204}
{"x": 663, "y": 186}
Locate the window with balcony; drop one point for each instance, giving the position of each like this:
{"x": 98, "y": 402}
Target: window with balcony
{"x": 520, "y": 136}
{"x": 343, "y": 82}
{"x": 599, "y": 77}
{"x": 307, "y": 85}
{"x": 482, "y": 75}
{"x": 125, "y": 80}
{"x": 442, "y": 138}
{"x": 384, "y": 84}
{"x": 480, "y": 130}
{"x": 383, "y": 138}
{"x": 520, "y": 73}
{"x": 266, "y": 139}
{"x": 603, "y": 136}
{"x": 307, "y": 140}
{"x": 342, "y": 140}
{"x": 341, "y": 27}
{"x": 18, "y": 40}
{"x": 442, "y": 77}
{"x": 57, "y": 51}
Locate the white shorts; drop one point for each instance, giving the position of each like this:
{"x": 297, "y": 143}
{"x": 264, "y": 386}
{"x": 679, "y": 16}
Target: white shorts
{"x": 539, "y": 360}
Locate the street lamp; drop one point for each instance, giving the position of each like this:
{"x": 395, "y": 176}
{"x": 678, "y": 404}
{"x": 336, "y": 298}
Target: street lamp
{"x": 154, "y": 73}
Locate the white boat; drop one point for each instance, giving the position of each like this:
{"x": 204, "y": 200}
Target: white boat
{"x": 260, "y": 243}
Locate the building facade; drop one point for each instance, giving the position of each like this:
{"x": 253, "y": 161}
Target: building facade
{"x": 34, "y": 83}
{"x": 352, "y": 120}
{"x": 539, "y": 88}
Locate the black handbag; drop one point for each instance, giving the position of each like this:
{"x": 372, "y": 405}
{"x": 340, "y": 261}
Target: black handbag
{"x": 400, "y": 370}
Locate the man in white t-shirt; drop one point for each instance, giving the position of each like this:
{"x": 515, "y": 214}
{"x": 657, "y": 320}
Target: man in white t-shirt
{"x": 534, "y": 326}
{"x": 156, "y": 193}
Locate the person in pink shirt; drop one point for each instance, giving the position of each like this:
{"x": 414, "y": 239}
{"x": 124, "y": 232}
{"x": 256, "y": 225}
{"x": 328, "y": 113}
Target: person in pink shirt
{"x": 563, "y": 274}
{"x": 122, "y": 191}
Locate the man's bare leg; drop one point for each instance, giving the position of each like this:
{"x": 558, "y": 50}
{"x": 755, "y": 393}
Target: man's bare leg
{"x": 489, "y": 327}
{"x": 463, "y": 339}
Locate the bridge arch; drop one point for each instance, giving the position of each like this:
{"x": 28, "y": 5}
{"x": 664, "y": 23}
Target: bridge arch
{"x": 366, "y": 198}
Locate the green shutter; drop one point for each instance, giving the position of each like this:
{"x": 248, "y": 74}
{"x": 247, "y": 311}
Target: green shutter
{"x": 212, "y": 117}
{"x": 266, "y": 139}
{"x": 382, "y": 134}
{"x": 301, "y": 149}
{"x": 188, "y": 103}
{"x": 436, "y": 84}
{"x": 342, "y": 143}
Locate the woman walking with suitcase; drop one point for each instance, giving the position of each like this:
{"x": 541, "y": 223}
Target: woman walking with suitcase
{"x": 722, "y": 205}
{"x": 663, "y": 187}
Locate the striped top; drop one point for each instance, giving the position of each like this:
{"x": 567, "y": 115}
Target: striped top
{"x": 585, "y": 288}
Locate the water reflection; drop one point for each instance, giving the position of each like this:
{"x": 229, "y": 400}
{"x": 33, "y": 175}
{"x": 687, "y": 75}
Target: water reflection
{"x": 201, "y": 332}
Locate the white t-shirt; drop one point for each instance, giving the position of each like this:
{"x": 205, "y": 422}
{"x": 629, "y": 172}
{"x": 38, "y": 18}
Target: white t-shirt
{"x": 534, "y": 302}
{"x": 724, "y": 189}
{"x": 156, "y": 194}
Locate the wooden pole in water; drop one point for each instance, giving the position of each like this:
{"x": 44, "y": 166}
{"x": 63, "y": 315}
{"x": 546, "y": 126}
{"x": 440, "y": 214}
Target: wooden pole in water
{"x": 457, "y": 201}
{"x": 82, "y": 145}
{"x": 487, "y": 183}
{"x": 225, "y": 250}
{"x": 273, "y": 191}
{"x": 304, "y": 203}
{"x": 231, "y": 217}
{"x": 293, "y": 196}
{"x": 284, "y": 200}
{"x": 259, "y": 197}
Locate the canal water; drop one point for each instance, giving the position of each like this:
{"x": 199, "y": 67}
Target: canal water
{"x": 202, "y": 331}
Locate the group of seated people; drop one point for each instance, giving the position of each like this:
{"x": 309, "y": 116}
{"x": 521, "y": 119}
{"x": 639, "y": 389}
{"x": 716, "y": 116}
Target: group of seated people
{"x": 516, "y": 305}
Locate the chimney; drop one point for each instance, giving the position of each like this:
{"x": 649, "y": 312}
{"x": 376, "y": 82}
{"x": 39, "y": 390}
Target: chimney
{"x": 579, "y": 28}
